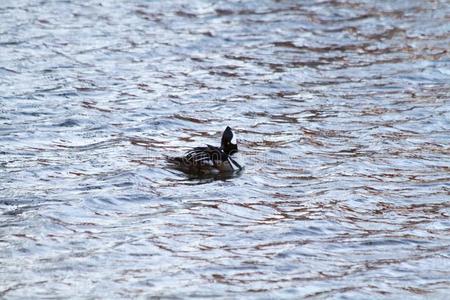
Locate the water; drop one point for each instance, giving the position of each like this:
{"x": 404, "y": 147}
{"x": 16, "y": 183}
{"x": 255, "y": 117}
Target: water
{"x": 341, "y": 111}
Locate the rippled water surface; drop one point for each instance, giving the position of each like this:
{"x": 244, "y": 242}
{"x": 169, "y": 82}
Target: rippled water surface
{"x": 342, "y": 114}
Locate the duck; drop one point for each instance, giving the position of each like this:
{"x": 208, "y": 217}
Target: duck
{"x": 209, "y": 159}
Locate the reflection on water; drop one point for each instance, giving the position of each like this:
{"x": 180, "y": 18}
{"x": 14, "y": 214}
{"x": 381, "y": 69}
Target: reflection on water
{"x": 341, "y": 110}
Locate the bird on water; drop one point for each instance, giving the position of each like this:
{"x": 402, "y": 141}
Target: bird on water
{"x": 209, "y": 159}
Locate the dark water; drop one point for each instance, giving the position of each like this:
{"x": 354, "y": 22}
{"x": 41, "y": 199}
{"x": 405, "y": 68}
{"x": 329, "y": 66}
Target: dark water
{"x": 342, "y": 114}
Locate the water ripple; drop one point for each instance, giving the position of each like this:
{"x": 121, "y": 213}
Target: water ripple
{"x": 341, "y": 112}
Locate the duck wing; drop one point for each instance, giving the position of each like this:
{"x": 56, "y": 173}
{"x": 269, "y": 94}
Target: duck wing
{"x": 206, "y": 155}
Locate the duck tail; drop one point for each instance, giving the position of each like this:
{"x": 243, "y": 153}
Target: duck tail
{"x": 174, "y": 160}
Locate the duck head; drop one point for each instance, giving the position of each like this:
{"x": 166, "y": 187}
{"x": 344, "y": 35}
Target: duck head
{"x": 226, "y": 144}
